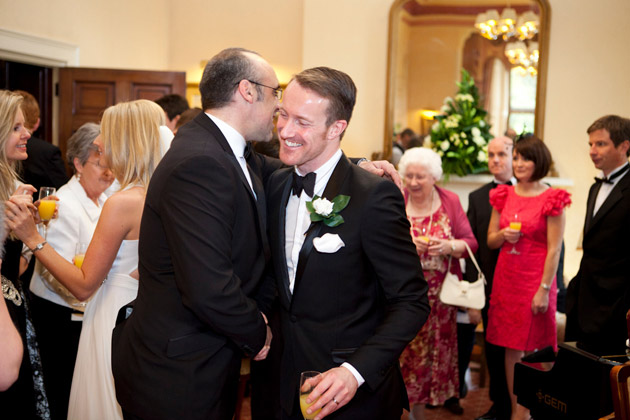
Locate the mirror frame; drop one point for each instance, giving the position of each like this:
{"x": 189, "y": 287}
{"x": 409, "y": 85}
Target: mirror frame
{"x": 392, "y": 51}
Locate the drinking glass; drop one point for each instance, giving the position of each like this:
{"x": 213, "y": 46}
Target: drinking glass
{"x": 47, "y": 205}
{"x": 79, "y": 253}
{"x": 515, "y": 224}
{"x": 308, "y": 382}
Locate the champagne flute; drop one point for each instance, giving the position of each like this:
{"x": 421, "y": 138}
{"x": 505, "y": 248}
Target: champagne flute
{"x": 79, "y": 253}
{"x": 515, "y": 224}
{"x": 47, "y": 205}
{"x": 308, "y": 381}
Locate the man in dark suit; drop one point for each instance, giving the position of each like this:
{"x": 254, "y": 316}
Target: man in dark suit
{"x": 44, "y": 165}
{"x": 202, "y": 251}
{"x": 479, "y": 212}
{"x": 599, "y": 295}
{"x": 350, "y": 285}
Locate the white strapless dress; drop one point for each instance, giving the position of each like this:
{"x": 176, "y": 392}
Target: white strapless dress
{"x": 93, "y": 396}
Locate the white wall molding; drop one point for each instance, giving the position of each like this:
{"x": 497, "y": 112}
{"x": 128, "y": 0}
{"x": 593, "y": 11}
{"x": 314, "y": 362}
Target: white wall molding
{"x": 31, "y": 49}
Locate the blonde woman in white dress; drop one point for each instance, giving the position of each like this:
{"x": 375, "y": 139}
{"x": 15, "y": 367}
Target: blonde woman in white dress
{"x": 131, "y": 143}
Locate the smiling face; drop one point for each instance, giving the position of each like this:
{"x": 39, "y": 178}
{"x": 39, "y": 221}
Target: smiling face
{"x": 418, "y": 181}
{"x": 15, "y": 148}
{"x": 305, "y": 139}
{"x": 603, "y": 152}
{"x": 523, "y": 167}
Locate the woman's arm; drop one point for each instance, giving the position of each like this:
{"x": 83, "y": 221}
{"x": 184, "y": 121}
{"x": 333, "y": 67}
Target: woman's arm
{"x": 11, "y": 349}
{"x": 495, "y": 235}
{"x": 555, "y": 231}
{"x": 112, "y": 228}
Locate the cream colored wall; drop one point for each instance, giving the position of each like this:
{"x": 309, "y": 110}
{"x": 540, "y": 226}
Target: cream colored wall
{"x": 201, "y": 28}
{"x": 109, "y": 33}
{"x": 351, "y": 35}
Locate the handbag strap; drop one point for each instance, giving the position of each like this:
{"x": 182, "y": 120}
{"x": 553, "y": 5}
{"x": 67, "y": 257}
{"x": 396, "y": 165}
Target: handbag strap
{"x": 472, "y": 257}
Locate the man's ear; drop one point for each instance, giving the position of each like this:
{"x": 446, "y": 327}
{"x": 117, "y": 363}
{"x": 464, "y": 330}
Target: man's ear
{"x": 246, "y": 91}
{"x": 336, "y": 129}
{"x": 624, "y": 146}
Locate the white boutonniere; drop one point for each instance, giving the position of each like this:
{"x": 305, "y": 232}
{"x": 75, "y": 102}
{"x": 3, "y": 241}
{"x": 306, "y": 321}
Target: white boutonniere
{"x": 322, "y": 209}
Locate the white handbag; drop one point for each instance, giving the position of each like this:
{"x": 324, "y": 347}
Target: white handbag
{"x": 456, "y": 292}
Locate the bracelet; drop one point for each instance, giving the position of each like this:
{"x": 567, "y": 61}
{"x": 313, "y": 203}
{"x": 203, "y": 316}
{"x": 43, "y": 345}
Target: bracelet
{"x": 545, "y": 286}
{"x": 452, "y": 247}
{"x": 38, "y": 247}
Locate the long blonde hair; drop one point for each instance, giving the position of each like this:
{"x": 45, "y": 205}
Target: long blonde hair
{"x": 131, "y": 139}
{"x": 9, "y": 105}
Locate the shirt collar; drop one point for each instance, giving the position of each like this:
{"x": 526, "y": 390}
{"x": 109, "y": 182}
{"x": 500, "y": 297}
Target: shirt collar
{"x": 233, "y": 137}
{"x": 614, "y": 171}
{"x": 324, "y": 172}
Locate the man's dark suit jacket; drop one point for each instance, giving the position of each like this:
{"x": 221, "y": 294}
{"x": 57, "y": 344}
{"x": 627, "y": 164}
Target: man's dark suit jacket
{"x": 202, "y": 253}
{"x": 44, "y": 165}
{"x": 361, "y": 304}
{"x": 599, "y": 295}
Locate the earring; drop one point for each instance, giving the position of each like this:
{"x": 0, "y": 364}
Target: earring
{"x": 78, "y": 176}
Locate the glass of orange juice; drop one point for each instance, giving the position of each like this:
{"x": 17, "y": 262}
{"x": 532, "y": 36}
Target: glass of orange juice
{"x": 308, "y": 381}
{"x": 515, "y": 224}
{"x": 47, "y": 206}
{"x": 79, "y": 253}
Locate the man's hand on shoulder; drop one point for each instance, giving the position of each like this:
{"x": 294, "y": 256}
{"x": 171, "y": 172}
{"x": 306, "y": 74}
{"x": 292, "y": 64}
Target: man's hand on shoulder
{"x": 383, "y": 169}
{"x": 337, "y": 387}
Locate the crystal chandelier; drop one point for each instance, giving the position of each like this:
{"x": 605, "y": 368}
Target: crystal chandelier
{"x": 521, "y": 51}
{"x": 507, "y": 25}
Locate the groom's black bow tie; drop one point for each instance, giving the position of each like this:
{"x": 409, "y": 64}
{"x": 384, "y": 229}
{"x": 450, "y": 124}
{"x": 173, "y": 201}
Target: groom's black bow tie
{"x": 306, "y": 183}
{"x": 247, "y": 152}
{"x": 608, "y": 180}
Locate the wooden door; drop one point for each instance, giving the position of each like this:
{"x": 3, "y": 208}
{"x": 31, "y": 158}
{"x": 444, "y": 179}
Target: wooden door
{"x": 84, "y": 93}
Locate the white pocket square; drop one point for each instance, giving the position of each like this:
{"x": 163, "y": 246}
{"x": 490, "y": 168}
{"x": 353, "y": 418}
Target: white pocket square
{"x": 328, "y": 244}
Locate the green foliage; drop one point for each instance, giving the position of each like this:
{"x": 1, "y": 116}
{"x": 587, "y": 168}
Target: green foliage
{"x": 461, "y": 134}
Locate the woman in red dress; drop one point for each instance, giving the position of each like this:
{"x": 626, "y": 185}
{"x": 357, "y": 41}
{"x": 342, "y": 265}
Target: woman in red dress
{"x": 440, "y": 230}
{"x": 527, "y": 223}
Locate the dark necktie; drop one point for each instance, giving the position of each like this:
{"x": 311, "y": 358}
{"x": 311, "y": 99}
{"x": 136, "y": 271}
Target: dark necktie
{"x": 608, "y": 180}
{"x": 306, "y": 183}
{"x": 248, "y": 151}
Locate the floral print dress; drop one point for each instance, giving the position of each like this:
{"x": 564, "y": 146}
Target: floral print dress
{"x": 429, "y": 362}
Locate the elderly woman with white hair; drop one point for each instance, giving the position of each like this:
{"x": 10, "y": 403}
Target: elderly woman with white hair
{"x": 440, "y": 230}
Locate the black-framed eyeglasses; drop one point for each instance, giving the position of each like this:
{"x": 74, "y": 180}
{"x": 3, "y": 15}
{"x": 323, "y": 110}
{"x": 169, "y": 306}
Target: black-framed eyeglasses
{"x": 276, "y": 91}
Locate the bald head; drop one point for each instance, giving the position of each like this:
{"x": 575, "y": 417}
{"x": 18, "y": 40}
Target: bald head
{"x": 500, "y": 158}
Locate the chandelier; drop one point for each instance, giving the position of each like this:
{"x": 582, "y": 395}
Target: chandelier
{"x": 521, "y": 51}
{"x": 507, "y": 25}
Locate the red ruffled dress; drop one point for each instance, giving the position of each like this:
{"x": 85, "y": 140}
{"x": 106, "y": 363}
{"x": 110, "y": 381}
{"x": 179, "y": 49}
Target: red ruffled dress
{"x": 517, "y": 277}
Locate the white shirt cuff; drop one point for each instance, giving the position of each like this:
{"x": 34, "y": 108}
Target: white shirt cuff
{"x": 354, "y": 372}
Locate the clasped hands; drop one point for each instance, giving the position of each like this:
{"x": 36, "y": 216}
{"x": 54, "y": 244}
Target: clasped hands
{"x": 431, "y": 245}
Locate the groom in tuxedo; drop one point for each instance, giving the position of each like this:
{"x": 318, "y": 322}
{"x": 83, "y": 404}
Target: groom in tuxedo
{"x": 599, "y": 295}
{"x": 350, "y": 285}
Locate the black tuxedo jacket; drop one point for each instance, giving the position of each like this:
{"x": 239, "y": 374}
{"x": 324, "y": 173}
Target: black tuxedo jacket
{"x": 599, "y": 295}
{"x": 479, "y": 212}
{"x": 362, "y": 304}
{"x": 44, "y": 165}
{"x": 202, "y": 250}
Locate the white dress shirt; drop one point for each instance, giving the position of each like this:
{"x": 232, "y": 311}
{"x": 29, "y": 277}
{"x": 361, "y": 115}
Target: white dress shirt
{"x": 297, "y": 223}
{"x": 76, "y": 221}
{"x": 606, "y": 188}
{"x": 237, "y": 144}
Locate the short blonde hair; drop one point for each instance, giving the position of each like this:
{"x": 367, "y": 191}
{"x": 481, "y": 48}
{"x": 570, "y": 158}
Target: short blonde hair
{"x": 10, "y": 103}
{"x": 424, "y": 157}
{"x": 131, "y": 139}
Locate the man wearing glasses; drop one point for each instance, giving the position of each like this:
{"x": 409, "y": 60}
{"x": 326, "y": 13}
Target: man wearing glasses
{"x": 203, "y": 248}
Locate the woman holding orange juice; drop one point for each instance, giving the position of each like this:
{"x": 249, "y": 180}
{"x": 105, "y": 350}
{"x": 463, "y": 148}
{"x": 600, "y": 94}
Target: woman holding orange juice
{"x": 131, "y": 148}
{"x": 527, "y": 223}
{"x": 57, "y": 313}
{"x": 440, "y": 230}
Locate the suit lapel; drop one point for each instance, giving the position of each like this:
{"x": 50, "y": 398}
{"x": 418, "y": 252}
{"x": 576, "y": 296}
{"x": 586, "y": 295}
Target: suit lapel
{"x": 333, "y": 187}
{"x": 281, "y": 217}
{"x": 590, "y": 206}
